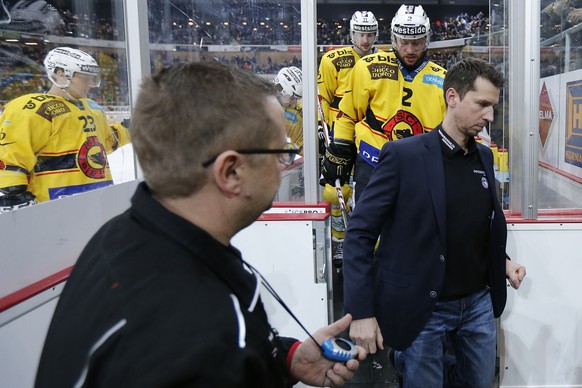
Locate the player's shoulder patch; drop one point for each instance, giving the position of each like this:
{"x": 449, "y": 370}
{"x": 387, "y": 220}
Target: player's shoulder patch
{"x": 93, "y": 104}
{"x": 433, "y": 79}
{"x": 434, "y": 75}
{"x": 435, "y": 68}
{"x": 32, "y": 101}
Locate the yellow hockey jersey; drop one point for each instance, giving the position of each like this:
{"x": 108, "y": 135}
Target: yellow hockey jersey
{"x": 386, "y": 102}
{"x": 294, "y": 123}
{"x": 55, "y": 147}
{"x": 333, "y": 79}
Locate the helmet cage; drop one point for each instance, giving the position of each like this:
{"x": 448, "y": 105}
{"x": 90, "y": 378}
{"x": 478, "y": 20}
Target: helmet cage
{"x": 71, "y": 61}
{"x": 363, "y": 22}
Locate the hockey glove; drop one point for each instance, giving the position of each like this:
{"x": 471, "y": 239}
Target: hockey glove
{"x": 12, "y": 198}
{"x": 337, "y": 163}
{"x": 126, "y": 123}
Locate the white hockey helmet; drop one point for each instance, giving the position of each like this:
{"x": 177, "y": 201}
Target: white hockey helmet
{"x": 365, "y": 22}
{"x": 71, "y": 61}
{"x": 410, "y": 22}
{"x": 289, "y": 81}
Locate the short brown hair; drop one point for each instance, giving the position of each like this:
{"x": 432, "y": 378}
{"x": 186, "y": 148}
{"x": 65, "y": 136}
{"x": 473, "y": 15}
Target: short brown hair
{"x": 462, "y": 75}
{"x": 190, "y": 112}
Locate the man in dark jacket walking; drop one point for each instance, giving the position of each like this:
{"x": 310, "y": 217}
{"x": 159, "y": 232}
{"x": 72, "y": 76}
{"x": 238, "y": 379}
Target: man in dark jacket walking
{"x": 440, "y": 267}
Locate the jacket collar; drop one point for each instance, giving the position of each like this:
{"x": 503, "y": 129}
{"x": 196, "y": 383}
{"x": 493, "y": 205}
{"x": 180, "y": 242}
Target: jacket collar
{"x": 224, "y": 261}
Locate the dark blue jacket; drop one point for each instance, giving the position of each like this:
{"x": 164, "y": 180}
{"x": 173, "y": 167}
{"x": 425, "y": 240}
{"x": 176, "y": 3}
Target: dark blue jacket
{"x": 404, "y": 204}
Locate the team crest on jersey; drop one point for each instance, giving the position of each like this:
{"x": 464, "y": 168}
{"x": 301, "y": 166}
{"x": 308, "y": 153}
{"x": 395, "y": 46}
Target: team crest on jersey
{"x": 402, "y": 124}
{"x": 2, "y": 165}
{"x": 92, "y": 158}
{"x": 383, "y": 71}
{"x": 51, "y": 109}
{"x": 345, "y": 62}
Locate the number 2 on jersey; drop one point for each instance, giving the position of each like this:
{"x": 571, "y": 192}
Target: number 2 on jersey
{"x": 406, "y": 96}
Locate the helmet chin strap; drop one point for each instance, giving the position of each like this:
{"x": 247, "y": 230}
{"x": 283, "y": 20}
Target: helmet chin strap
{"x": 65, "y": 92}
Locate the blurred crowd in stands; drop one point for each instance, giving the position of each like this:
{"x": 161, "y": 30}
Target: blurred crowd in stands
{"x": 246, "y": 25}
{"x": 269, "y": 30}
{"x": 336, "y": 32}
{"x": 253, "y": 25}
{"x": 241, "y": 23}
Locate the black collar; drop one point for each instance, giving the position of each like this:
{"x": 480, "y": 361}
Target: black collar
{"x": 224, "y": 261}
{"x": 450, "y": 147}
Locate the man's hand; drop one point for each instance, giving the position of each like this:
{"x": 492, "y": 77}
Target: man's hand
{"x": 514, "y": 273}
{"x": 366, "y": 333}
{"x": 310, "y": 367}
{"x": 338, "y": 162}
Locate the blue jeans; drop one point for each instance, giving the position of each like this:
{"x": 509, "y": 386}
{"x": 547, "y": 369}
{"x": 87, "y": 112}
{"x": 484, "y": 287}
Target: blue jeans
{"x": 469, "y": 326}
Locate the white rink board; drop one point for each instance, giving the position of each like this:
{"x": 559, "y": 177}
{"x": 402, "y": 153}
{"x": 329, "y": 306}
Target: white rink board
{"x": 541, "y": 328}
{"x": 22, "y": 339}
{"x": 41, "y": 240}
{"x": 283, "y": 252}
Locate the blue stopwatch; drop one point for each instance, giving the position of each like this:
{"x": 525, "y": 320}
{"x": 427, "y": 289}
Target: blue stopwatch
{"x": 339, "y": 349}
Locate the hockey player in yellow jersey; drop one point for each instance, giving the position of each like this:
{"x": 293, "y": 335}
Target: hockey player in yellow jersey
{"x": 55, "y": 144}
{"x": 332, "y": 81}
{"x": 336, "y": 65}
{"x": 289, "y": 82}
{"x": 392, "y": 95}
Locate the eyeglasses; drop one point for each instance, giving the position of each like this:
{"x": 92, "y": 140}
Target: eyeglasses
{"x": 286, "y": 154}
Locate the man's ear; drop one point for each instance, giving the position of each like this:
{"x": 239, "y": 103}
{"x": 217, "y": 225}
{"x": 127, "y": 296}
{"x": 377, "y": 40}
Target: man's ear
{"x": 451, "y": 97}
{"x": 226, "y": 169}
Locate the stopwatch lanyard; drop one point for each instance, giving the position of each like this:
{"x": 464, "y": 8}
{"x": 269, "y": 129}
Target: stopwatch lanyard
{"x": 272, "y": 291}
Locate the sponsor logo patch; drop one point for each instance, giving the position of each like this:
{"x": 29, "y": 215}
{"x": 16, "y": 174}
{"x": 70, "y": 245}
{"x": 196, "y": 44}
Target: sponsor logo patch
{"x": 383, "y": 71}
{"x": 90, "y": 69}
{"x": 409, "y": 30}
{"x": 364, "y": 28}
{"x": 345, "y": 62}
{"x": 432, "y": 79}
{"x": 369, "y": 153}
{"x": 51, "y": 109}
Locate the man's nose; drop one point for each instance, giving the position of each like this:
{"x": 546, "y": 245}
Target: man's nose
{"x": 489, "y": 115}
